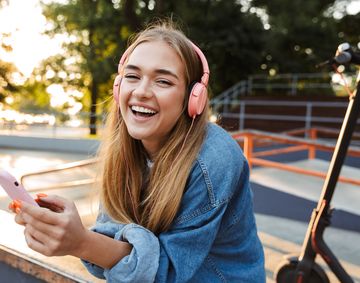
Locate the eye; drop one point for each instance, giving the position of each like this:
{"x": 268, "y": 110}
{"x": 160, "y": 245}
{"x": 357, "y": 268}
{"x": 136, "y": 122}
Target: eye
{"x": 163, "y": 82}
{"x": 131, "y": 77}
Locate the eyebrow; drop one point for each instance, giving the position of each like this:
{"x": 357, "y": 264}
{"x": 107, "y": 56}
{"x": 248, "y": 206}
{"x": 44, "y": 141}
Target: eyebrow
{"x": 159, "y": 71}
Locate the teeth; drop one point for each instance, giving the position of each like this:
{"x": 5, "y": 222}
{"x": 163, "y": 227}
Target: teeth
{"x": 142, "y": 109}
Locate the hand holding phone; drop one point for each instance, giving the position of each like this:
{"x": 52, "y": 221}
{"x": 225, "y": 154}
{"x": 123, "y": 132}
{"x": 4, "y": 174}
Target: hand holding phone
{"x": 14, "y": 189}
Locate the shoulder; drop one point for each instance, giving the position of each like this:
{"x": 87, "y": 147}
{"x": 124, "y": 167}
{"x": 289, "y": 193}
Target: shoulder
{"x": 219, "y": 172}
{"x": 221, "y": 163}
{"x": 220, "y": 148}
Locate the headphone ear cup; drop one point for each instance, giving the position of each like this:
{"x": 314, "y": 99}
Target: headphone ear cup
{"x": 197, "y": 99}
{"x": 116, "y": 88}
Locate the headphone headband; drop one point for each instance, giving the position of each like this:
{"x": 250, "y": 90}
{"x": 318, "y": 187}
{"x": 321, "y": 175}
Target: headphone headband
{"x": 205, "y": 65}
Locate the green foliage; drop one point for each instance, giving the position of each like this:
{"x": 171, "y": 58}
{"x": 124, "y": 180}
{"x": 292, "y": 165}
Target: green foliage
{"x": 94, "y": 29}
{"x": 33, "y": 98}
{"x": 301, "y": 34}
{"x": 231, "y": 39}
{"x": 348, "y": 28}
{"x": 230, "y": 32}
{"x": 7, "y": 85}
{"x": 28, "y": 97}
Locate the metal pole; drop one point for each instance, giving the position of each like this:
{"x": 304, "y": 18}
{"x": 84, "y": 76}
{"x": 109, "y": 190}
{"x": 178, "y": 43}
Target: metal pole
{"x": 242, "y": 116}
{"x": 308, "y": 118}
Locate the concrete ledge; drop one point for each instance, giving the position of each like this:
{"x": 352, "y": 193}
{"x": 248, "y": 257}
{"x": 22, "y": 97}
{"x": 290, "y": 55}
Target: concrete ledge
{"x": 346, "y": 196}
{"x": 17, "y": 259}
{"x": 30, "y": 270}
{"x": 85, "y": 146}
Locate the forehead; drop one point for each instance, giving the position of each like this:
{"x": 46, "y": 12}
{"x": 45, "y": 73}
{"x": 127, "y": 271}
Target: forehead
{"x": 157, "y": 54}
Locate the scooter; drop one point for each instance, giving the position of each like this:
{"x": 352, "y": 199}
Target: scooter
{"x": 304, "y": 269}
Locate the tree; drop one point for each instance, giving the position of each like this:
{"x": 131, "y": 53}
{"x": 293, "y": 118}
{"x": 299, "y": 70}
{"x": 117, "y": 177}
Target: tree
{"x": 98, "y": 32}
{"x": 348, "y": 29}
{"x": 301, "y": 34}
{"x": 230, "y": 32}
{"x": 7, "y": 85}
{"x": 93, "y": 29}
{"x": 232, "y": 38}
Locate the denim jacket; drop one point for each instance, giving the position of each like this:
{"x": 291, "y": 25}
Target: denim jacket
{"x": 213, "y": 237}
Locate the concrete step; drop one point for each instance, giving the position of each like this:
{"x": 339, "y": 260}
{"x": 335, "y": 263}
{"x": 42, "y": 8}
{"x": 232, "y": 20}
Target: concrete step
{"x": 346, "y": 196}
{"x": 282, "y": 237}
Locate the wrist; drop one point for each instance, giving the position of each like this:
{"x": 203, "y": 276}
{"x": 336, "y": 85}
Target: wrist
{"x": 92, "y": 246}
{"x": 82, "y": 248}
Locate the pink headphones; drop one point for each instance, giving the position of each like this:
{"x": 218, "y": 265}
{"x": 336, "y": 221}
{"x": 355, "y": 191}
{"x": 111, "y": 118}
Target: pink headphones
{"x": 198, "y": 93}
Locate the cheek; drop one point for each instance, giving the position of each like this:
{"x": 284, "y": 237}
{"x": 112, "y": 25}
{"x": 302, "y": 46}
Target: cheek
{"x": 173, "y": 105}
{"x": 123, "y": 98}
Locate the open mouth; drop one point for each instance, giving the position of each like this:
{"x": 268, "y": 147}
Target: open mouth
{"x": 142, "y": 111}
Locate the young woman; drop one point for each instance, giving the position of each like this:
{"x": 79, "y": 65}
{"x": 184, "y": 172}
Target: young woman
{"x": 176, "y": 205}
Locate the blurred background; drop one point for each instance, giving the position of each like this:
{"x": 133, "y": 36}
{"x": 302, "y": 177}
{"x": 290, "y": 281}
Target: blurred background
{"x": 58, "y": 59}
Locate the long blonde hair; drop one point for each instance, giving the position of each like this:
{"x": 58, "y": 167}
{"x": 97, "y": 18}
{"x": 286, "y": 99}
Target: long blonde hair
{"x": 126, "y": 195}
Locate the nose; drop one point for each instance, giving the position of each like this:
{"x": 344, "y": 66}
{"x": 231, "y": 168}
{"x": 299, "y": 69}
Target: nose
{"x": 143, "y": 89}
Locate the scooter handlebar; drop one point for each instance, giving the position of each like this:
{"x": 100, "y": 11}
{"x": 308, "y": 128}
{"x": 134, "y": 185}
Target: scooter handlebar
{"x": 344, "y": 55}
{"x": 347, "y": 57}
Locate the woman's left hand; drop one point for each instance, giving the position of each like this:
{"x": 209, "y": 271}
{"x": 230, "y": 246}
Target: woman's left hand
{"x": 52, "y": 233}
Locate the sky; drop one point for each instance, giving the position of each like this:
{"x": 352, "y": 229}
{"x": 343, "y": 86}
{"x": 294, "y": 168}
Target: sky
{"x": 23, "y": 19}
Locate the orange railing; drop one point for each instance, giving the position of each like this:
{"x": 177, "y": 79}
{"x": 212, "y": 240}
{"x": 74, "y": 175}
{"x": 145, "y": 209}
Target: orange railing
{"x": 251, "y": 140}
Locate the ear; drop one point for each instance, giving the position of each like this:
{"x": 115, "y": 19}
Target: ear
{"x": 116, "y": 88}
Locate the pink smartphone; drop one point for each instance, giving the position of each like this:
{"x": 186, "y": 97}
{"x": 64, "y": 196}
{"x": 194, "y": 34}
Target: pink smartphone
{"x": 14, "y": 189}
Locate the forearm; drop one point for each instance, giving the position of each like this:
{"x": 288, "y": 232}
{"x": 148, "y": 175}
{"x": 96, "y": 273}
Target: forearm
{"x": 102, "y": 250}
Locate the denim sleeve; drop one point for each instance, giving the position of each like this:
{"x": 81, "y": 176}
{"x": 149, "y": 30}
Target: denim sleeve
{"x": 140, "y": 265}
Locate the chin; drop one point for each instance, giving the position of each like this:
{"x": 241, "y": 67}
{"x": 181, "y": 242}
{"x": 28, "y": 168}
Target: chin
{"x": 138, "y": 134}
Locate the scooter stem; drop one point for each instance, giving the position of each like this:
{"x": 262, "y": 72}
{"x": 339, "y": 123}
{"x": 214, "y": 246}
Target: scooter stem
{"x": 320, "y": 219}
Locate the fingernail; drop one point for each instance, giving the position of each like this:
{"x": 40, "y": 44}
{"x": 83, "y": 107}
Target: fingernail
{"x": 17, "y": 204}
{"x": 41, "y": 195}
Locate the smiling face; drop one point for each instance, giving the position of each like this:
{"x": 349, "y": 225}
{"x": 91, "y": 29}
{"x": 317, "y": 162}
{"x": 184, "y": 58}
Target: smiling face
{"x": 152, "y": 93}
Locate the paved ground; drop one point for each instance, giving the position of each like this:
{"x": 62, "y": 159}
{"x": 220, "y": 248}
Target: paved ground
{"x": 283, "y": 203}
{"x": 282, "y": 233}
{"x": 281, "y": 213}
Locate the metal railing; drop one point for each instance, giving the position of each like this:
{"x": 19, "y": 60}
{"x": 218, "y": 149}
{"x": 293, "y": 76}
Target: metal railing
{"x": 308, "y": 119}
{"x": 292, "y": 84}
{"x": 250, "y": 139}
{"x": 62, "y": 167}
{"x": 235, "y": 103}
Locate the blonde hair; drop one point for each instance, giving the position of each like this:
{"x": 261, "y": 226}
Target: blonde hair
{"x": 126, "y": 195}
